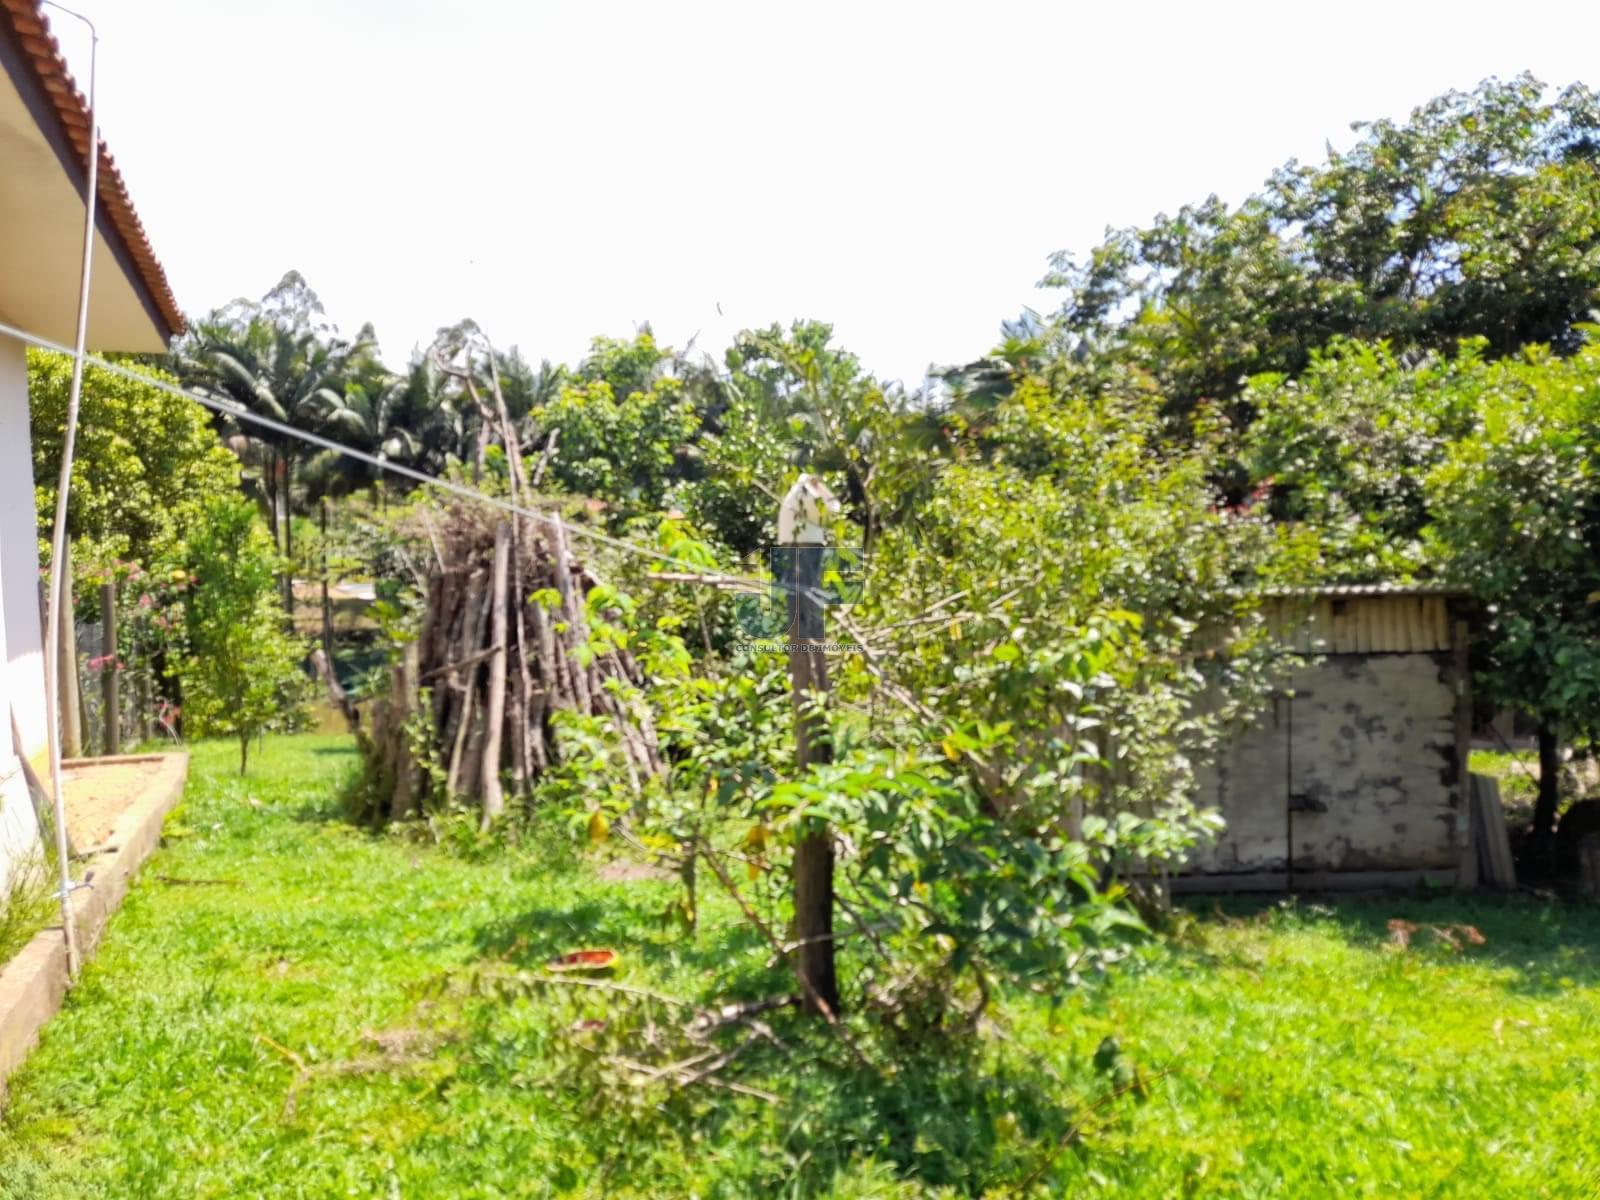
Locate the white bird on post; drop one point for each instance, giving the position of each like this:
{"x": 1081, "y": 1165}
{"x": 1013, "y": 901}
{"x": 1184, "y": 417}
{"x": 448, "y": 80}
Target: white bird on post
{"x": 805, "y": 513}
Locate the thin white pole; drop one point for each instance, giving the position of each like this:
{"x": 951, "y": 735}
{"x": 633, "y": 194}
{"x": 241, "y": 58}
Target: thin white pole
{"x": 58, "y": 536}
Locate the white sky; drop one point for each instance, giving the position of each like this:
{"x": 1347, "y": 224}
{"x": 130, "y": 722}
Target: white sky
{"x": 902, "y": 170}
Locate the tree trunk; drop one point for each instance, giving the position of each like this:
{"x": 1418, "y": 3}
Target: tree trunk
{"x": 244, "y": 752}
{"x": 110, "y": 700}
{"x": 269, "y": 488}
{"x": 1544, "y": 809}
{"x": 288, "y": 542}
{"x": 408, "y": 782}
{"x": 327, "y": 603}
{"x": 337, "y": 696}
{"x": 813, "y": 855}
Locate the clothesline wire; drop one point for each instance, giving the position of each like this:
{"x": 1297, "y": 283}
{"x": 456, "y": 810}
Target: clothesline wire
{"x": 240, "y": 413}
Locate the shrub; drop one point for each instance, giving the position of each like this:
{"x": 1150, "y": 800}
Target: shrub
{"x": 240, "y": 671}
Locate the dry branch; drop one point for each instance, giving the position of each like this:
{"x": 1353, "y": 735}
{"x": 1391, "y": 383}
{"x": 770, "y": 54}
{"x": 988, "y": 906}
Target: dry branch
{"x": 500, "y": 665}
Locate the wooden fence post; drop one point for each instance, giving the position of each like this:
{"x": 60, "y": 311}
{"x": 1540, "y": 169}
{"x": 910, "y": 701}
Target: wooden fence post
{"x": 494, "y": 801}
{"x": 110, "y": 700}
{"x": 68, "y": 701}
{"x": 800, "y": 558}
{"x": 327, "y": 602}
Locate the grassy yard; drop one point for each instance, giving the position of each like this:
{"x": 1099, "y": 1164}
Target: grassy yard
{"x": 279, "y": 1011}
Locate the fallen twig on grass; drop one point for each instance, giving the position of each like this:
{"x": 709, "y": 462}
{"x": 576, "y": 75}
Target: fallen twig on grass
{"x": 399, "y": 1050}
{"x": 178, "y": 881}
{"x": 742, "y": 1089}
{"x": 1139, "y": 1083}
{"x": 532, "y": 978}
{"x": 710, "y": 1020}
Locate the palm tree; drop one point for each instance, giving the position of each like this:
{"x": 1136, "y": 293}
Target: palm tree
{"x": 289, "y": 374}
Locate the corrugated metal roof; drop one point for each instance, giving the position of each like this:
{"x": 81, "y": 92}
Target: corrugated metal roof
{"x": 1342, "y": 590}
{"x": 1365, "y": 619}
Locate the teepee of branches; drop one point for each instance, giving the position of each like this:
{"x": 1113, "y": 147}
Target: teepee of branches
{"x": 503, "y": 646}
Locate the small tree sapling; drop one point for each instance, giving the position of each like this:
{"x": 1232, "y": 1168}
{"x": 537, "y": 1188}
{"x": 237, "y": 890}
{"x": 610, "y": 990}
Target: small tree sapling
{"x": 240, "y": 670}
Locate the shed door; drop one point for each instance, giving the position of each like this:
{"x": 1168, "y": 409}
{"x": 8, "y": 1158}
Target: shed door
{"x": 1250, "y": 791}
{"x": 1306, "y": 794}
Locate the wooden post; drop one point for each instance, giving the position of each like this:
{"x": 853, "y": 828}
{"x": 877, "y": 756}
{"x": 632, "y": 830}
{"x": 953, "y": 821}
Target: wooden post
{"x": 288, "y": 537}
{"x": 144, "y": 700}
{"x": 69, "y": 701}
{"x": 327, "y": 603}
{"x": 800, "y": 562}
{"x": 1467, "y": 872}
{"x": 494, "y": 801}
{"x": 110, "y": 701}
{"x": 406, "y": 800}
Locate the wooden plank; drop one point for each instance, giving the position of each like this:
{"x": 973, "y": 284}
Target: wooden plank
{"x": 1461, "y": 799}
{"x": 1340, "y": 642}
{"x": 1497, "y": 866}
{"x": 1438, "y": 622}
{"x": 1422, "y": 634}
{"x": 1325, "y": 633}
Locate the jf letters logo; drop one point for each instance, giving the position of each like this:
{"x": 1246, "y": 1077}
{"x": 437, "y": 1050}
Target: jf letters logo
{"x": 838, "y": 573}
{"x": 802, "y": 565}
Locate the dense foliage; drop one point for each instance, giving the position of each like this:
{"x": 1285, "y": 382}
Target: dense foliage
{"x": 147, "y": 463}
{"x": 1477, "y": 217}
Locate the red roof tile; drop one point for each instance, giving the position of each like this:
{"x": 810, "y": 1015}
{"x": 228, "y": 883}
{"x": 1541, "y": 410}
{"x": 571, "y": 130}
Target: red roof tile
{"x": 25, "y": 19}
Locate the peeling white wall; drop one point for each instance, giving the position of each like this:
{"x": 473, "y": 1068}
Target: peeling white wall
{"x": 1371, "y": 738}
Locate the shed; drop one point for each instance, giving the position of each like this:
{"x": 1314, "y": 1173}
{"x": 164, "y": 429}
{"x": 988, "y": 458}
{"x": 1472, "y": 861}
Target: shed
{"x": 1355, "y": 775}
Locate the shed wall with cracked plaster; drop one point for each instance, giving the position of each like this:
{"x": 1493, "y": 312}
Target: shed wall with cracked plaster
{"x": 1355, "y": 773}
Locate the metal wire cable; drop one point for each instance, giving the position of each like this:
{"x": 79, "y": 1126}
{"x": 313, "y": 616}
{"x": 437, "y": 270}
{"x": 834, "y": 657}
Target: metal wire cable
{"x": 240, "y": 413}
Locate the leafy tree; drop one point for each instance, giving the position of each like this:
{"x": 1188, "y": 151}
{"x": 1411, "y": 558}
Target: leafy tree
{"x": 1014, "y": 741}
{"x": 147, "y": 466}
{"x": 790, "y": 400}
{"x": 1082, "y": 559}
{"x": 1458, "y": 469}
{"x": 1516, "y": 517}
{"x": 1344, "y": 452}
{"x": 239, "y": 670}
{"x": 1477, "y": 217}
{"x": 621, "y": 424}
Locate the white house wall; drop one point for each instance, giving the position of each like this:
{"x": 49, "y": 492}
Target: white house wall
{"x": 22, "y": 681}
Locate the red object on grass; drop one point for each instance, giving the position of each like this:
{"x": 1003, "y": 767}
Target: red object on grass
{"x": 584, "y": 960}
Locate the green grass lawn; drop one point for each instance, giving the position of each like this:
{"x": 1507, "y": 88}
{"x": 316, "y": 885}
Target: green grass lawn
{"x": 272, "y": 1014}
